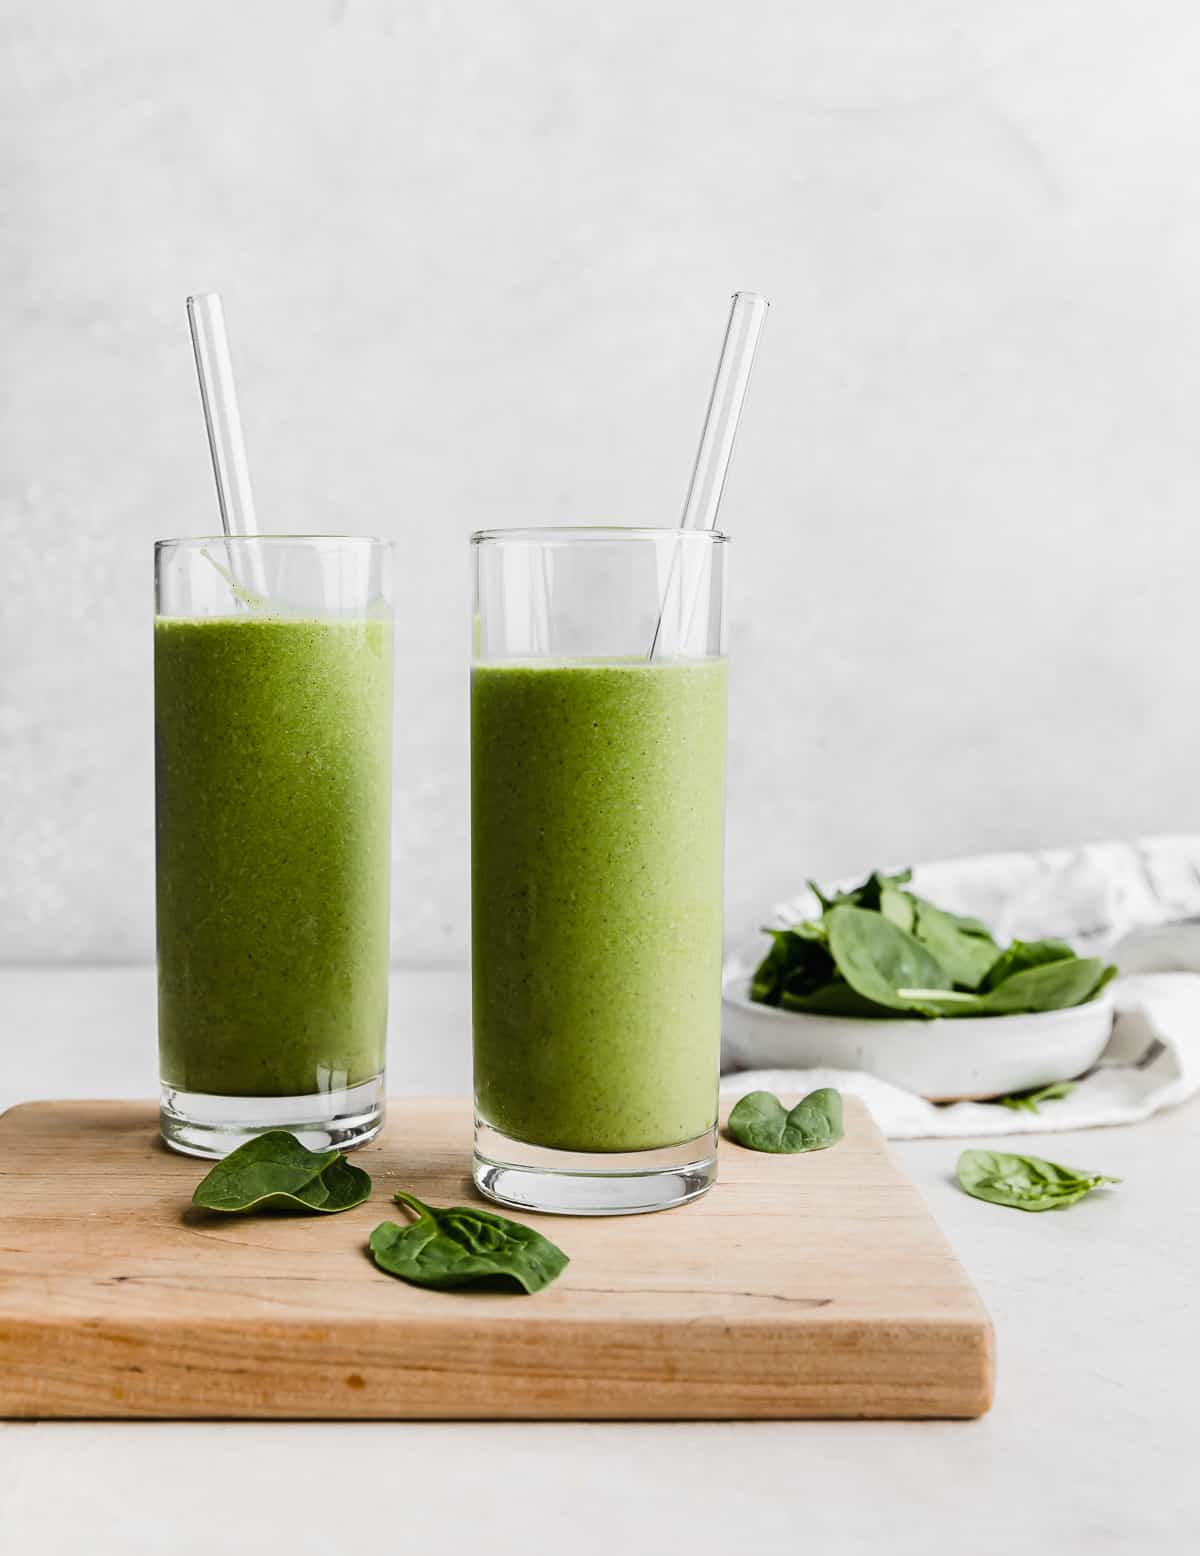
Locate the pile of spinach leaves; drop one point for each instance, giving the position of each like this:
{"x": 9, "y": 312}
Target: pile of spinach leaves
{"x": 882, "y": 951}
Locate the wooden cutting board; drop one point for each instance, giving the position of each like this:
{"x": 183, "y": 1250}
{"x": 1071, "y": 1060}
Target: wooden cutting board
{"x": 813, "y": 1285}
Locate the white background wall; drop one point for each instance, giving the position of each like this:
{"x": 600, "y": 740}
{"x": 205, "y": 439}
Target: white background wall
{"x": 475, "y": 258}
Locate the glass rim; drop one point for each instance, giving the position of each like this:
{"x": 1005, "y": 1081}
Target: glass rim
{"x": 581, "y": 532}
{"x": 270, "y": 540}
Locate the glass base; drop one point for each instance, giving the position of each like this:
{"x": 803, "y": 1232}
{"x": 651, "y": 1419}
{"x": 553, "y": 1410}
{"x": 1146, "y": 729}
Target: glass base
{"x": 581, "y": 1183}
{"x": 200, "y": 1124}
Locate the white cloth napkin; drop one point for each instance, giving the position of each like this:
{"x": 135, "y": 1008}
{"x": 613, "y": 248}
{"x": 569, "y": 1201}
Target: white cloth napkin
{"x": 1138, "y": 903}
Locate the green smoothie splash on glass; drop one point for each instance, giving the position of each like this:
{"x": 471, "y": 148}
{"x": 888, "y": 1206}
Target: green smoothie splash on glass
{"x": 273, "y": 752}
{"x": 598, "y": 716}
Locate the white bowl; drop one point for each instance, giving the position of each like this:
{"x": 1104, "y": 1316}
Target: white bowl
{"x": 945, "y": 1061}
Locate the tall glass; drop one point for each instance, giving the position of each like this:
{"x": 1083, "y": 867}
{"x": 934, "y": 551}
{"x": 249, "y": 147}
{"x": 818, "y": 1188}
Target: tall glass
{"x": 273, "y": 761}
{"x": 598, "y": 710}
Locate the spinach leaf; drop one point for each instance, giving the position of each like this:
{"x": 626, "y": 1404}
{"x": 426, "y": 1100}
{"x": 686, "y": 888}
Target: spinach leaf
{"x": 877, "y": 959}
{"x": 797, "y": 962}
{"x": 1021, "y": 956}
{"x": 1024, "y": 1182}
{"x": 760, "y": 1122}
{"x": 1050, "y": 986}
{"x": 943, "y": 1002}
{"x": 835, "y": 998}
{"x": 898, "y": 907}
{"x": 463, "y": 1246}
{"x": 275, "y": 1172}
{"x": 1027, "y": 1101}
{"x": 869, "y": 895}
{"x": 963, "y": 946}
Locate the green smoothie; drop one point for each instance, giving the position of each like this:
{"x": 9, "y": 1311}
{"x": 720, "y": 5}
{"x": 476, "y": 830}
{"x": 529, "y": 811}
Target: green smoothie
{"x": 273, "y": 778}
{"x": 597, "y": 840}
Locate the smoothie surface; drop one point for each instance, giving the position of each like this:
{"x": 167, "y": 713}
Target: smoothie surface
{"x": 597, "y": 843}
{"x": 273, "y": 778}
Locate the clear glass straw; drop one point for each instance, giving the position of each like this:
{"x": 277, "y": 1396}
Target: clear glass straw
{"x": 747, "y": 314}
{"x": 746, "y": 317}
{"x": 231, "y": 470}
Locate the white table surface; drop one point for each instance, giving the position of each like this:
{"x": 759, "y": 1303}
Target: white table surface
{"x": 1092, "y": 1447}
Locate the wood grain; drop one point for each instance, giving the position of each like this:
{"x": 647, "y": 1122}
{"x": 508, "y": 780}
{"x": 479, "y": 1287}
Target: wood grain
{"x": 801, "y": 1286}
